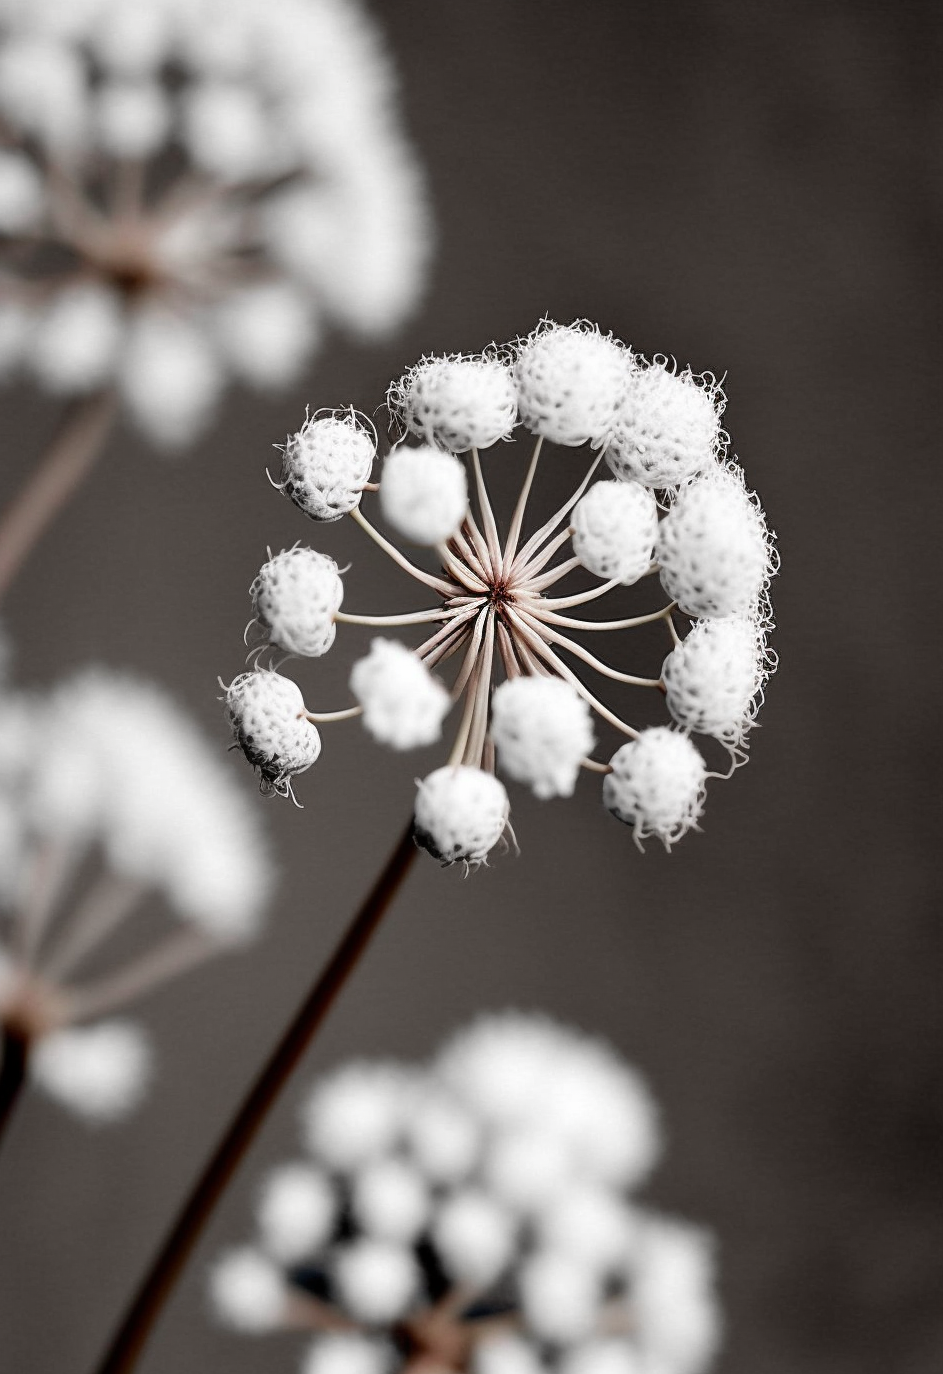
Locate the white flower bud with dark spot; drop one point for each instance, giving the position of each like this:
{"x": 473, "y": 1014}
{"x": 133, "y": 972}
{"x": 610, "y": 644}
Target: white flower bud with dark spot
{"x": 460, "y": 814}
{"x": 668, "y": 427}
{"x": 542, "y": 729}
{"x": 423, "y": 493}
{"x": 267, "y": 715}
{"x": 457, "y": 403}
{"x": 295, "y": 597}
{"x": 327, "y": 462}
{"x": 615, "y": 526}
{"x": 714, "y": 678}
{"x": 657, "y": 785}
{"x": 403, "y": 703}
{"x": 570, "y": 381}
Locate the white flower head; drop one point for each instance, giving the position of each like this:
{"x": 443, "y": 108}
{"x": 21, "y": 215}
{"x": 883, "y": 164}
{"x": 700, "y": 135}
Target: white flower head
{"x": 267, "y": 333}
{"x": 586, "y": 1222}
{"x": 423, "y": 494}
{"x": 508, "y": 1355}
{"x": 542, "y": 730}
{"x": 460, "y": 814}
{"x": 559, "y": 1297}
{"x": 476, "y": 1236}
{"x": 390, "y": 1200}
{"x": 100, "y": 1072}
{"x": 657, "y": 785}
{"x": 348, "y": 1352}
{"x": 714, "y": 677}
{"x": 327, "y": 462}
{"x": 377, "y": 1279}
{"x": 170, "y": 375}
{"x": 443, "y": 1136}
{"x": 296, "y": 1212}
{"x": 668, "y": 427}
{"x": 615, "y": 526}
{"x": 673, "y": 1296}
{"x": 455, "y": 402}
{"x": 132, "y": 118}
{"x": 22, "y": 196}
{"x": 570, "y": 382}
{"x": 76, "y": 338}
{"x": 295, "y": 597}
{"x": 247, "y": 1290}
{"x": 355, "y": 1115}
{"x": 403, "y": 704}
{"x": 267, "y": 715}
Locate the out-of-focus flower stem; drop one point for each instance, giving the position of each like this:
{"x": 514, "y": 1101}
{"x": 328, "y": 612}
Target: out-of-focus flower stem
{"x": 159, "y": 1282}
{"x": 59, "y": 473}
{"x": 13, "y": 1057}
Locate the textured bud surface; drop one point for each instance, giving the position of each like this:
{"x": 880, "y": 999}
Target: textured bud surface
{"x": 668, "y": 427}
{"x": 403, "y": 704}
{"x": 615, "y": 526}
{"x": 266, "y": 712}
{"x": 460, "y": 813}
{"x": 714, "y": 547}
{"x": 295, "y": 597}
{"x": 542, "y": 729}
{"x": 423, "y": 494}
{"x": 713, "y": 678}
{"x": 570, "y": 382}
{"x": 326, "y": 464}
{"x": 458, "y": 403}
{"x": 657, "y": 785}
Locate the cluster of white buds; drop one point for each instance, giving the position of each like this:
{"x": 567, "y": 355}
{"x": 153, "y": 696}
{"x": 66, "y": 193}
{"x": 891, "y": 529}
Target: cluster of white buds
{"x": 475, "y": 1215}
{"x": 676, "y": 506}
{"x": 190, "y": 191}
{"x": 107, "y": 763}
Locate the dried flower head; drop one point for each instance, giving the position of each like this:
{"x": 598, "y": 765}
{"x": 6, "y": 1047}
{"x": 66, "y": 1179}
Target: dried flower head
{"x": 523, "y": 660}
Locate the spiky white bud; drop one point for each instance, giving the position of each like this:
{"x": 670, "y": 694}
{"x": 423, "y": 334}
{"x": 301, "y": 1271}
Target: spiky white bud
{"x": 267, "y": 715}
{"x": 376, "y": 1279}
{"x": 542, "y": 729}
{"x": 714, "y": 547}
{"x": 460, "y": 814}
{"x": 133, "y": 118}
{"x": 668, "y": 427}
{"x": 390, "y": 1200}
{"x": 672, "y": 1297}
{"x": 295, "y": 597}
{"x": 713, "y": 678}
{"x": 326, "y": 464}
{"x": 570, "y": 382}
{"x": 355, "y": 1115}
{"x": 76, "y": 338}
{"x": 614, "y": 530}
{"x": 403, "y": 703}
{"x": 559, "y": 1297}
{"x": 457, "y": 403}
{"x": 22, "y": 198}
{"x": 296, "y": 1212}
{"x": 100, "y": 1072}
{"x": 474, "y": 1236}
{"x": 347, "y": 1352}
{"x": 423, "y": 493}
{"x": 247, "y": 1291}
{"x": 657, "y": 784}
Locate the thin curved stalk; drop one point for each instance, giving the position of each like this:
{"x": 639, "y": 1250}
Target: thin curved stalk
{"x": 569, "y": 622}
{"x": 436, "y": 583}
{"x": 545, "y": 531}
{"x": 409, "y": 618}
{"x": 487, "y": 514}
{"x": 517, "y": 519}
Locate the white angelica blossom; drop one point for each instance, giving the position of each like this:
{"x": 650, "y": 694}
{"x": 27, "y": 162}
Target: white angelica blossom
{"x": 423, "y": 494}
{"x": 615, "y": 526}
{"x": 714, "y": 678}
{"x": 412, "y": 1265}
{"x": 570, "y": 382}
{"x": 668, "y": 427}
{"x": 295, "y": 598}
{"x": 657, "y": 785}
{"x": 267, "y": 715}
{"x": 460, "y": 814}
{"x": 327, "y": 463}
{"x": 456, "y": 403}
{"x": 403, "y": 704}
{"x": 542, "y": 731}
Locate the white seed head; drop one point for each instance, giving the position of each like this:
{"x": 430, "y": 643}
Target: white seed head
{"x": 266, "y": 712}
{"x": 657, "y": 785}
{"x": 295, "y": 597}
{"x": 610, "y": 1356}
{"x": 347, "y": 1352}
{"x": 327, "y": 462}
{"x": 390, "y": 1200}
{"x": 22, "y": 198}
{"x": 570, "y": 382}
{"x": 714, "y": 678}
{"x": 590, "y": 1223}
{"x": 506, "y": 1355}
{"x": 559, "y": 1298}
{"x": 100, "y": 1072}
{"x": 129, "y": 37}
{"x": 460, "y": 814}
{"x": 542, "y": 729}
{"x": 267, "y": 333}
{"x": 403, "y": 703}
{"x": 668, "y": 427}
{"x": 501, "y": 1065}
{"x": 355, "y": 1115}
{"x": 76, "y": 338}
{"x": 247, "y": 1291}
{"x": 443, "y": 1136}
{"x": 673, "y": 1299}
{"x": 527, "y": 1166}
{"x": 132, "y": 117}
{"x": 615, "y": 526}
{"x": 423, "y": 493}
{"x": 226, "y": 133}
{"x": 43, "y": 90}
{"x": 457, "y": 403}
{"x": 714, "y": 548}
{"x": 376, "y": 1279}
{"x": 170, "y": 376}
{"x": 474, "y": 1237}
{"x": 296, "y": 1211}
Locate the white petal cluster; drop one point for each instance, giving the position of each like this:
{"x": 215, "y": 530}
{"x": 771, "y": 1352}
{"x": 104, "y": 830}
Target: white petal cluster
{"x": 423, "y": 493}
{"x": 327, "y": 462}
{"x": 295, "y": 597}
{"x": 656, "y": 785}
{"x": 586, "y": 1279}
{"x": 289, "y": 108}
{"x": 714, "y": 548}
{"x": 714, "y": 677}
{"x": 542, "y": 730}
{"x": 571, "y": 380}
{"x": 403, "y": 703}
{"x": 266, "y": 713}
{"x": 460, "y": 814}
{"x": 455, "y": 402}
{"x": 615, "y": 526}
{"x": 668, "y": 427}
{"x": 100, "y": 1072}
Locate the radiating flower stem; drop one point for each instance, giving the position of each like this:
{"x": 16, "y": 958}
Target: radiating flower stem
{"x": 130, "y": 1338}
{"x": 67, "y": 462}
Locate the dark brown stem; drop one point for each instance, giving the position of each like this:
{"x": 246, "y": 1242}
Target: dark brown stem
{"x": 68, "y": 460}
{"x": 13, "y": 1059}
{"x": 157, "y": 1286}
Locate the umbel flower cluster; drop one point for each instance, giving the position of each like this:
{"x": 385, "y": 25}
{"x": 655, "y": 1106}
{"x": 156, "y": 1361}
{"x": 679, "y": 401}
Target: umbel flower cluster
{"x": 476, "y": 1215}
{"x": 191, "y": 189}
{"x": 93, "y": 818}
{"x": 673, "y": 504}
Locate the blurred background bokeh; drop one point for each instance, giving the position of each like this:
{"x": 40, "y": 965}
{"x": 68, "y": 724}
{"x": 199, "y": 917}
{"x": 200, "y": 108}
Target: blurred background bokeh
{"x": 756, "y": 191}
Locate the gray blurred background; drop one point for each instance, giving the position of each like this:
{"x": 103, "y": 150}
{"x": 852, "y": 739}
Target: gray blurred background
{"x": 757, "y": 191}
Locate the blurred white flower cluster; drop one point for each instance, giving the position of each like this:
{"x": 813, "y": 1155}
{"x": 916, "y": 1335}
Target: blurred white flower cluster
{"x": 191, "y": 189}
{"x": 475, "y": 1215}
{"x": 108, "y": 792}
{"x": 658, "y": 429}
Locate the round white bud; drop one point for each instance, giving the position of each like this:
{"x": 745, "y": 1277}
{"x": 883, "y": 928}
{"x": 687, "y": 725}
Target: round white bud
{"x": 423, "y": 493}
{"x": 713, "y": 678}
{"x": 226, "y": 132}
{"x": 356, "y": 1114}
{"x": 528, "y": 1166}
{"x": 75, "y": 339}
{"x": 347, "y": 1352}
{"x": 296, "y": 1212}
{"x": 326, "y": 464}
{"x": 267, "y": 715}
{"x": 457, "y": 403}
{"x": 266, "y": 331}
{"x": 443, "y": 1136}
{"x": 460, "y": 813}
{"x": 615, "y": 526}
{"x": 295, "y": 597}
{"x": 542, "y": 729}
{"x": 247, "y": 1291}
{"x": 133, "y": 118}
{"x": 713, "y": 547}
{"x": 390, "y": 1200}
{"x": 474, "y": 1237}
{"x": 376, "y": 1279}
{"x": 170, "y": 375}
{"x": 656, "y": 785}
{"x": 668, "y": 427}
{"x": 612, "y": 1356}
{"x": 22, "y": 198}
{"x": 403, "y": 703}
{"x": 560, "y": 1298}
{"x": 506, "y": 1355}
{"x": 673, "y": 1301}
{"x": 570, "y": 382}
{"x": 100, "y": 1072}
{"x": 590, "y": 1223}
